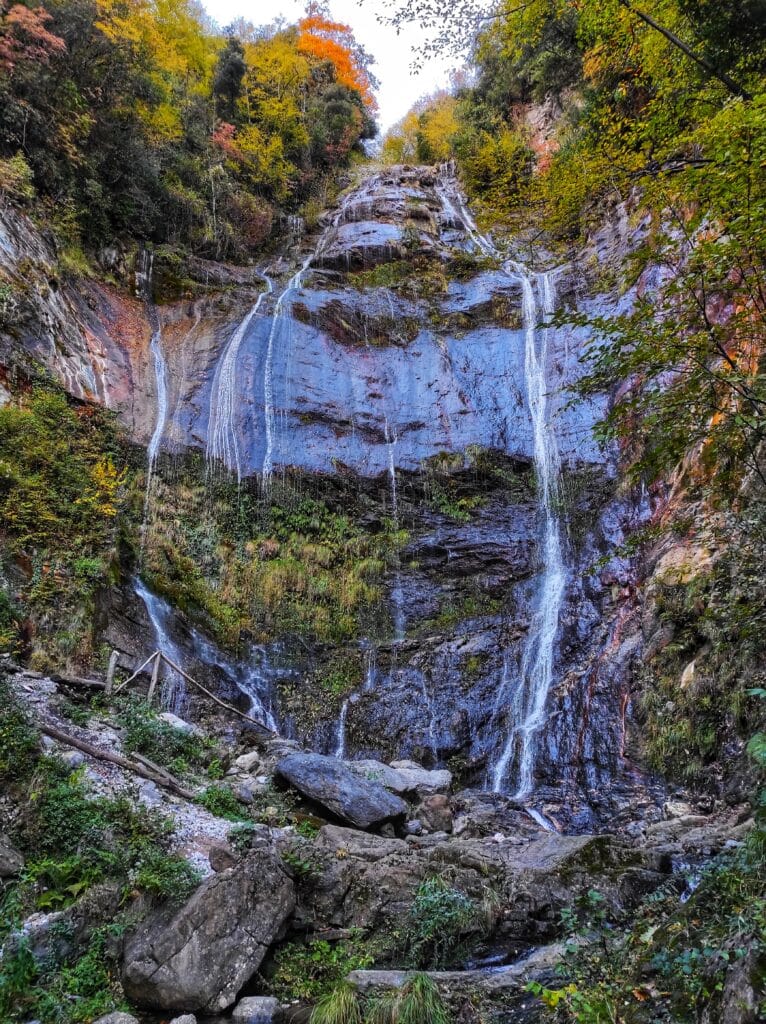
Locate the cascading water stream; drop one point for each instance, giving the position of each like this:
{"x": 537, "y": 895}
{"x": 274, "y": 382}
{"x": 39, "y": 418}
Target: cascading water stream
{"x": 525, "y": 713}
{"x": 245, "y": 677}
{"x": 397, "y": 596}
{"x": 279, "y": 319}
{"x": 144, "y": 289}
{"x": 222, "y": 443}
{"x": 173, "y": 694}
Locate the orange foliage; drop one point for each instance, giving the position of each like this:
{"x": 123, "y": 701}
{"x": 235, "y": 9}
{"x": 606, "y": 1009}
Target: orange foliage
{"x": 330, "y": 40}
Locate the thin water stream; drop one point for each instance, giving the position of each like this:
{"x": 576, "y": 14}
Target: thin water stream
{"x": 520, "y": 707}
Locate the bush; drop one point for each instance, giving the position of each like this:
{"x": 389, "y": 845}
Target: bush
{"x": 313, "y": 970}
{"x": 18, "y": 737}
{"x": 147, "y": 734}
{"x": 439, "y": 920}
{"x": 16, "y": 178}
{"x": 221, "y": 801}
{"x": 418, "y": 1001}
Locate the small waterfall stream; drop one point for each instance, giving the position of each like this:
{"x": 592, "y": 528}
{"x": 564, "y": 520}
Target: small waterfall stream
{"x": 173, "y": 693}
{"x": 280, "y": 318}
{"x": 526, "y": 713}
{"x": 524, "y": 708}
{"x": 144, "y": 272}
{"x": 248, "y": 677}
{"x": 222, "y": 442}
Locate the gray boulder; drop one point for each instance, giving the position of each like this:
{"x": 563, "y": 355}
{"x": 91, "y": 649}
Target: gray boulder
{"x": 11, "y": 861}
{"x": 199, "y": 957}
{"x": 403, "y": 776}
{"x": 330, "y": 783}
{"x": 255, "y": 1010}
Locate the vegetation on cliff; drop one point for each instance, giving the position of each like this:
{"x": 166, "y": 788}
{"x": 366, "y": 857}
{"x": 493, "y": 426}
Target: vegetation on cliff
{"x": 137, "y": 119}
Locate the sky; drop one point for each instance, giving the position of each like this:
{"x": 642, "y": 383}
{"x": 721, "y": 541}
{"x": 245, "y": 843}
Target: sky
{"x": 399, "y": 88}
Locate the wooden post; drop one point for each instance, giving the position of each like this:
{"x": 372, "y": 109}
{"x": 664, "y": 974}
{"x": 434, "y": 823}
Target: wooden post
{"x": 114, "y": 657}
{"x": 155, "y": 677}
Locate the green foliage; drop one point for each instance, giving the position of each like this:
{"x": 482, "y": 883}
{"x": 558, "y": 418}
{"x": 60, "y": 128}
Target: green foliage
{"x": 418, "y": 1001}
{"x": 164, "y": 744}
{"x": 339, "y": 1006}
{"x": 717, "y": 621}
{"x": 61, "y": 994}
{"x": 147, "y": 121}
{"x": 16, "y": 178}
{"x": 312, "y": 970}
{"x": 19, "y": 740}
{"x": 221, "y": 801}
{"x": 60, "y": 495}
{"x": 76, "y": 840}
{"x": 438, "y": 924}
{"x": 291, "y": 564}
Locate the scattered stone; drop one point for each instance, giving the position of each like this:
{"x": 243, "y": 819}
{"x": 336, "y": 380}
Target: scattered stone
{"x": 221, "y": 858}
{"x": 198, "y": 957}
{"x": 244, "y": 794}
{"x": 413, "y": 828}
{"x": 11, "y": 861}
{"x": 185, "y": 1018}
{"x": 178, "y": 723}
{"x": 73, "y": 758}
{"x": 678, "y": 809}
{"x": 117, "y": 1018}
{"x": 247, "y": 763}
{"x": 435, "y": 813}
{"x": 255, "y": 1010}
{"x": 334, "y": 786}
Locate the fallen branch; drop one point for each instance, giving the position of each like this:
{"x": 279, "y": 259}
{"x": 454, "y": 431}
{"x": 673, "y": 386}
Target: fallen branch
{"x": 164, "y": 780}
{"x": 212, "y": 696}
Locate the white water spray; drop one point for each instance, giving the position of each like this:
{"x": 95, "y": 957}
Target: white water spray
{"x": 144, "y": 289}
{"x": 173, "y": 694}
{"x": 222, "y": 443}
{"x": 279, "y": 318}
{"x": 526, "y": 711}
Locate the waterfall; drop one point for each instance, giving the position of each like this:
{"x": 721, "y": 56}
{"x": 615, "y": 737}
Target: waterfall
{"x": 254, "y": 683}
{"x": 526, "y": 713}
{"x": 340, "y": 743}
{"x": 397, "y": 596}
{"x": 144, "y": 288}
{"x": 222, "y": 443}
{"x": 526, "y": 710}
{"x": 295, "y": 282}
{"x": 173, "y": 695}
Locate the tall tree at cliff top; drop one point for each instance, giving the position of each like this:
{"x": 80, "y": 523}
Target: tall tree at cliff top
{"x": 139, "y": 117}
{"x": 661, "y": 106}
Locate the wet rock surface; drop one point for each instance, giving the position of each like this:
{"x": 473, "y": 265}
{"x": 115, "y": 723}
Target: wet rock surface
{"x": 345, "y": 794}
{"x": 199, "y": 957}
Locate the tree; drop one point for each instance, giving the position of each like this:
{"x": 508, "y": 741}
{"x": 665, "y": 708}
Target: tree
{"x": 228, "y": 82}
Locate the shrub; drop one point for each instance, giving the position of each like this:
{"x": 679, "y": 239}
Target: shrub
{"x": 339, "y": 1006}
{"x": 312, "y": 970}
{"x": 221, "y": 801}
{"x": 18, "y": 737}
{"x": 438, "y": 922}
{"x": 147, "y": 734}
{"x": 418, "y": 1001}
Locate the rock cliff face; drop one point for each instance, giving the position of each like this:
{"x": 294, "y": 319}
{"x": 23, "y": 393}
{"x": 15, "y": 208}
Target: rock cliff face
{"x": 400, "y": 350}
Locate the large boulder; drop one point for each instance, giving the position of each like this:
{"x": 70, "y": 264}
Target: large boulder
{"x": 330, "y": 783}
{"x": 199, "y": 957}
{"x": 403, "y": 776}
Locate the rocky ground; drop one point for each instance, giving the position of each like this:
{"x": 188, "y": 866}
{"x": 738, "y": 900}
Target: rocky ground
{"x": 327, "y": 849}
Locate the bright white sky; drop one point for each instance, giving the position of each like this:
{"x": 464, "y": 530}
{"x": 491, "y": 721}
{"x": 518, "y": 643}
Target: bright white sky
{"x": 399, "y": 86}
